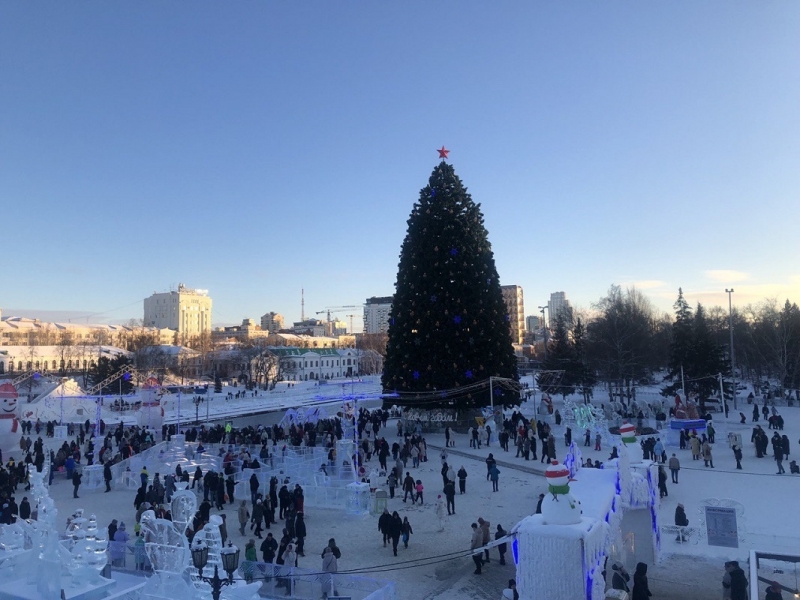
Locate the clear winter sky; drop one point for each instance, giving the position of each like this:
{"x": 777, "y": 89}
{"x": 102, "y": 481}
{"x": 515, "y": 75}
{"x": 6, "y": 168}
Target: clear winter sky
{"x": 257, "y": 148}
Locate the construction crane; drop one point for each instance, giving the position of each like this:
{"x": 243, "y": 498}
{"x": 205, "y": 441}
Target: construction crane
{"x": 328, "y": 309}
{"x": 351, "y": 322}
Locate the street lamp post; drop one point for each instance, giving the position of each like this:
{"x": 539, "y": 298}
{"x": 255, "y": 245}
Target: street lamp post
{"x": 230, "y": 562}
{"x": 544, "y": 328}
{"x": 733, "y": 360}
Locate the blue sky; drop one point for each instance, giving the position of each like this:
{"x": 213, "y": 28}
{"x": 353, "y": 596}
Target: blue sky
{"x": 257, "y": 148}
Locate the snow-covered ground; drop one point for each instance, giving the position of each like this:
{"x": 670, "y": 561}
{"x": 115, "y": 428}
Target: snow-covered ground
{"x": 691, "y": 570}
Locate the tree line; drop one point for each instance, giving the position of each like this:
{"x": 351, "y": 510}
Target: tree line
{"x": 626, "y": 342}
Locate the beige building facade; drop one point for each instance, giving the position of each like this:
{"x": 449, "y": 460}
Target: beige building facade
{"x": 186, "y": 311}
{"x": 515, "y": 305}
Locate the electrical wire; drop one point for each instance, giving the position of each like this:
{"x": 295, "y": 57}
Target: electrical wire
{"x": 398, "y": 566}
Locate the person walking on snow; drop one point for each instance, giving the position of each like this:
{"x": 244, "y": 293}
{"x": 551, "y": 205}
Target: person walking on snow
{"x": 408, "y": 487}
{"x": 439, "y": 509}
{"x": 738, "y": 582}
{"x": 501, "y": 548}
{"x": 779, "y": 458}
{"x": 395, "y": 530}
{"x": 490, "y": 462}
{"x": 662, "y": 482}
{"x": 641, "y": 589}
{"x": 450, "y": 495}
{"x": 384, "y": 525}
{"x": 486, "y": 537}
{"x": 620, "y": 578}
{"x": 674, "y": 467}
{"x": 681, "y": 521}
{"x": 694, "y": 442}
{"x": 462, "y": 480}
{"x": 707, "y": 457}
{"x": 244, "y": 516}
{"x": 475, "y": 545}
{"x": 406, "y": 531}
{"x": 494, "y": 474}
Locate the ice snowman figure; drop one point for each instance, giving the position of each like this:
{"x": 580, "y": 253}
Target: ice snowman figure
{"x": 10, "y": 431}
{"x": 559, "y": 507}
{"x": 628, "y": 433}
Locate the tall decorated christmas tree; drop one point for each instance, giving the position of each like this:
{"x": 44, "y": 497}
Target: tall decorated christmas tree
{"x": 448, "y": 328}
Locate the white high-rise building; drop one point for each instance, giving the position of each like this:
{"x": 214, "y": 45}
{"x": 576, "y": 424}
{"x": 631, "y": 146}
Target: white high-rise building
{"x": 186, "y": 311}
{"x": 272, "y": 322}
{"x": 376, "y": 314}
{"x": 559, "y": 304}
{"x": 512, "y": 296}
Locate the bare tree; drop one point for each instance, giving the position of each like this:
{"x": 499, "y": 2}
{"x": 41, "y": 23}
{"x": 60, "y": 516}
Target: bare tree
{"x": 373, "y": 341}
{"x": 265, "y": 369}
{"x": 620, "y": 338}
{"x": 66, "y": 353}
{"x": 776, "y": 336}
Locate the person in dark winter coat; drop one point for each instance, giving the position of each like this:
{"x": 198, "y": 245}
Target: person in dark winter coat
{"x": 681, "y": 520}
{"x": 268, "y": 548}
{"x": 738, "y": 582}
{"x": 300, "y": 533}
{"x": 107, "y": 476}
{"x": 620, "y": 577}
{"x": 501, "y": 548}
{"x": 641, "y": 590}
{"x": 662, "y": 482}
{"x": 258, "y": 516}
{"x": 76, "y": 483}
{"x": 384, "y": 525}
{"x": 774, "y": 592}
{"x": 408, "y": 487}
{"x": 737, "y": 454}
{"x": 462, "y": 480}
{"x": 490, "y": 462}
{"x": 450, "y": 495}
{"x": 406, "y": 531}
{"x": 395, "y": 530}
{"x": 24, "y": 509}
{"x": 285, "y": 541}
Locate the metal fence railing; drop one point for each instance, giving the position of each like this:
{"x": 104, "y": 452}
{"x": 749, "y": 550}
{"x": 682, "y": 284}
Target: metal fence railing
{"x": 311, "y": 584}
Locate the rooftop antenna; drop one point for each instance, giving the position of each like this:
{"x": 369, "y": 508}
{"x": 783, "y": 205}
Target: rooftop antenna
{"x": 302, "y": 304}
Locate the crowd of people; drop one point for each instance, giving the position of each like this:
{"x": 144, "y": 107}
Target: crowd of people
{"x": 282, "y": 505}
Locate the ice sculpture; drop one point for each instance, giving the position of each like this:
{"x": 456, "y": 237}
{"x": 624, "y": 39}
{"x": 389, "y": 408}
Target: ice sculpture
{"x": 183, "y": 507}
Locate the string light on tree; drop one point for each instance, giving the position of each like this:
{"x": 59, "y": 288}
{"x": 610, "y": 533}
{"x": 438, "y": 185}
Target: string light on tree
{"x": 448, "y": 313}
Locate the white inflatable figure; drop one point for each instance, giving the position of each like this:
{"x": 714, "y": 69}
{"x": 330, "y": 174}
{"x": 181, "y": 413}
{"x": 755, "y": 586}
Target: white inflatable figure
{"x": 559, "y": 507}
{"x": 10, "y": 430}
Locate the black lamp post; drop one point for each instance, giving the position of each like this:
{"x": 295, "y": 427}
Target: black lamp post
{"x": 230, "y": 562}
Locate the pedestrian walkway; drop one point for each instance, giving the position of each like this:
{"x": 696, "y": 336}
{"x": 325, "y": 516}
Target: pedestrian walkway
{"x": 532, "y": 466}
